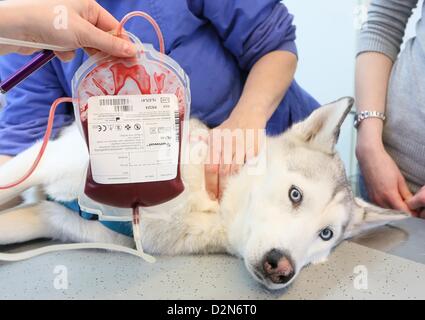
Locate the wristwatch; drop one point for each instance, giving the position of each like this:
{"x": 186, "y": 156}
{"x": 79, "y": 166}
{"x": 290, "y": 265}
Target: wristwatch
{"x": 360, "y": 116}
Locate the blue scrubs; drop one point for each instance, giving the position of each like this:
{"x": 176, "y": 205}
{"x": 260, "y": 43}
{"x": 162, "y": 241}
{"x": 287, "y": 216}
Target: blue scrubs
{"x": 216, "y": 43}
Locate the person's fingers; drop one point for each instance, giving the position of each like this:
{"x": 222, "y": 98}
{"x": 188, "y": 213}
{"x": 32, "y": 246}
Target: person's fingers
{"x": 65, "y": 55}
{"x": 91, "y": 51}
{"x": 251, "y": 144}
{"x": 92, "y": 37}
{"x": 212, "y": 180}
{"x": 417, "y": 201}
{"x": 403, "y": 188}
{"x": 381, "y": 202}
{"x": 227, "y": 156}
{"x": 223, "y": 176}
{"x": 215, "y": 147}
{"x": 212, "y": 166}
{"x": 396, "y": 202}
{"x": 104, "y": 20}
{"x": 373, "y": 196}
{"x": 239, "y": 155}
{"x": 235, "y": 168}
{"x": 422, "y": 214}
{"x": 238, "y": 152}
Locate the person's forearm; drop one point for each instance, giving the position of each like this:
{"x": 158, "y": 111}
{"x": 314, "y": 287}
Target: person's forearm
{"x": 265, "y": 87}
{"x": 372, "y": 75}
{"x": 10, "y": 20}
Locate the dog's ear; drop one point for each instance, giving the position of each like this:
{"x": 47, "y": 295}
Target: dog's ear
{"x": 367, "y": 216}
{"x": 321, "y": 129}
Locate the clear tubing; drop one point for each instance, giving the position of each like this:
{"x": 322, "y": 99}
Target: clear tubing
{"x": 151, "y": 21}
{"x": 138, "y": 236}
{"x": 46, "y": 138}
{"x": 35, "y": 45}
{"x": 20, "y": 256}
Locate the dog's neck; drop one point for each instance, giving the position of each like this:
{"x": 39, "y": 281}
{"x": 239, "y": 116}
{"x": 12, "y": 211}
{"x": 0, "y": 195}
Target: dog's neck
{"x": 236, "y": 196}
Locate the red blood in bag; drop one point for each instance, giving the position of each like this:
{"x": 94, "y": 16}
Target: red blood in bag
{"x": 159, "y": 80}
{"x": 137, "y": 73}
{"x": 142, "y": 194}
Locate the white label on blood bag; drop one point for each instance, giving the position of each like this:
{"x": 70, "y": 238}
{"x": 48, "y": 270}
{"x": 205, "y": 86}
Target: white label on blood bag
{"x": 133, "y": 139}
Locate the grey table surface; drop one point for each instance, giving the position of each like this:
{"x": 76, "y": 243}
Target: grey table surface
{"x": 390, "y": 262}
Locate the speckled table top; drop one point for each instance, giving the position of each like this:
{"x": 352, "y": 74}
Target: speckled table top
{"x": 399, "y": 274}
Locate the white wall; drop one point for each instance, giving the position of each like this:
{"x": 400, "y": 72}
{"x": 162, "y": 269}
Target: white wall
{"x": 326, "y": 40}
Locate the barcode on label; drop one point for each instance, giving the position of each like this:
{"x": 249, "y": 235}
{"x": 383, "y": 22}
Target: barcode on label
{"x": 177, "y": 123}
{"x": 123, "y": 108}
{"x": 114, "y": 102}
{"x": 119, "y": 104}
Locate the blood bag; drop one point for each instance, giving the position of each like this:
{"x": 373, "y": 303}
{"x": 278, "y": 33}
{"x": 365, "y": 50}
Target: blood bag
{"x": 133, "y": 115}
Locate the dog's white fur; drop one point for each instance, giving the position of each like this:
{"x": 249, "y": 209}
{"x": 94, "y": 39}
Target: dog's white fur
{"x": 254, "y": 216}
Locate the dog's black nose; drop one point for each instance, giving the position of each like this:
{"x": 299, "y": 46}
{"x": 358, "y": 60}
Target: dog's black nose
{"x": 278, "y": 267}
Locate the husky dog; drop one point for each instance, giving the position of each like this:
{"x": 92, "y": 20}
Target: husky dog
{"x": 292, "y": 214}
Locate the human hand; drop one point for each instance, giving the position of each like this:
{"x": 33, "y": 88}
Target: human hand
{"x": 231, "y": 144}
{"x": 385, "y": 184}
{"x": 417, "y": 203}
{"x": 67, "y": 23}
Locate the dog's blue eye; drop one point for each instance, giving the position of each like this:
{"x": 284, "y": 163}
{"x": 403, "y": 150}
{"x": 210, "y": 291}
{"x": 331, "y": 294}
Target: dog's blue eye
{"x": 326, "y": 234}
{"x": 295, "y": 195}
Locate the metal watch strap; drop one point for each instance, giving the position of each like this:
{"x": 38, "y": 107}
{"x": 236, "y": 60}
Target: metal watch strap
{"x": 360, "y": 116}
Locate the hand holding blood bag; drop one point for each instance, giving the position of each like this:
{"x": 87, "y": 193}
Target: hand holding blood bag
{"x": 132, "y": 115}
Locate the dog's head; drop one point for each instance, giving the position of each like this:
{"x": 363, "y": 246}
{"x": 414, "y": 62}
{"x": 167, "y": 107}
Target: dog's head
{"x": 302, "y": 206}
